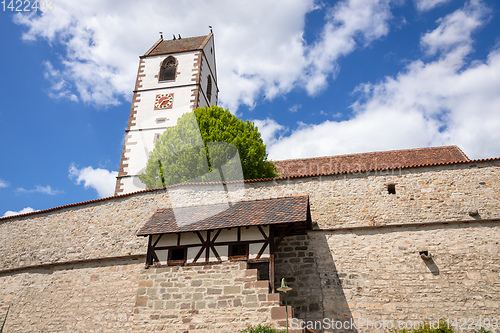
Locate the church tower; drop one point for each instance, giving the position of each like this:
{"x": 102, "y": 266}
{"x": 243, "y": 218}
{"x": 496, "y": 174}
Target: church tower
{"x": 174, "y": 77}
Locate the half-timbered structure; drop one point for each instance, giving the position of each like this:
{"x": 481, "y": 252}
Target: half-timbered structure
{"x": 247, "y": 230}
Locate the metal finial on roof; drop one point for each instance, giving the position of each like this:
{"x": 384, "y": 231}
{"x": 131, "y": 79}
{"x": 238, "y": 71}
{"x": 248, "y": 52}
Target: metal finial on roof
{"x": 174, "y": 37}
{"x": 161, "y": 35}
{"x": 210, "y": 28}
{"x": 180, "y": 36}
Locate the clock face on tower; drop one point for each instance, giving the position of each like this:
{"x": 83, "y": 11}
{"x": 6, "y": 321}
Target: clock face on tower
{"x": 164, "y": 101}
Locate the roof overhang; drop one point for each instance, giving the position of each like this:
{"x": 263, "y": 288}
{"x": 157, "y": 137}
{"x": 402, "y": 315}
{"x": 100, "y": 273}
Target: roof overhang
{"x": 277, "y": 211}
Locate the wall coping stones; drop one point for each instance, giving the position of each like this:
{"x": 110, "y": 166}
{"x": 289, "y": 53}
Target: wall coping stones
{"x": 489, "y": 161}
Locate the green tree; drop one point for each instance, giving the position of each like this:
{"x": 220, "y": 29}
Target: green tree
{"x": 202, "y": 145}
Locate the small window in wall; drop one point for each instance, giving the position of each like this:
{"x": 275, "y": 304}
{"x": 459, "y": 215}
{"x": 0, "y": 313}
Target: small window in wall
{"x": 391, "y": 188}
{"x": 177, "y": 256}
{"x": 168, "y": 69}
{"x": 209, "y": 89}
{"x": 161, "y": 120}
{"x": 238, "y": 251}
{"x": 157, "y": 137}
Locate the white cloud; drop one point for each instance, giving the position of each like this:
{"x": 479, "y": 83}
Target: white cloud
{"x": 59, "y": 87}
{"x": 40, "y": 189}
{"x": 441, "y": 102}
{"x": 3, "y": 183}
{"x": 432, "y": 101}
{"x": 268, "y": 129}
{"x": 426, "y": 5}
{"x": 294, "y": 108}
{"x": 455, "y": 30}
{"x": 350, "y": 23}
{"x": 22, "y": 211}
{"x": 102, "y": 180}
{"x": 257, "y": 55}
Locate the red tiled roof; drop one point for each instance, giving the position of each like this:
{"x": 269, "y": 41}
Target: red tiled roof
{"x": 217, "y": 216}
{"x": 382, "y": 160}
{"x": 168, "y": 46}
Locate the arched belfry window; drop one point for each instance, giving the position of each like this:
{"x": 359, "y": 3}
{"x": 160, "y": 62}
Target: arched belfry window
{"x": 168, "y": 69}
{"x": 209, "y": 89}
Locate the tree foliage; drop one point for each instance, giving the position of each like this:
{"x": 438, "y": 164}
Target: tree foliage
{"x": 205, "y": 145}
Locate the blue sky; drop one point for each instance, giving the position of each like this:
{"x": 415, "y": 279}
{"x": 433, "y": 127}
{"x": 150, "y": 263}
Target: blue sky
{"x": 318, "y": 78}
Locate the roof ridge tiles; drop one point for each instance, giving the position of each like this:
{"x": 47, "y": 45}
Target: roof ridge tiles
{"x": 180, "y": 45}
{"x": 379, "y": 152}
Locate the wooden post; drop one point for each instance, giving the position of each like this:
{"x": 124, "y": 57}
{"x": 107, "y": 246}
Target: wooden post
{"x": 207, "y": 247}
{"x": 271, "y": 258}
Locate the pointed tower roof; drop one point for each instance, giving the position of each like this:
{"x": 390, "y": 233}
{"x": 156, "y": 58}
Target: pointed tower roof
{"x": 163, "y": 46}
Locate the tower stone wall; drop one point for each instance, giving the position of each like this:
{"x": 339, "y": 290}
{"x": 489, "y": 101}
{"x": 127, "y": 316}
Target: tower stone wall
{"x": 195, "y": 63}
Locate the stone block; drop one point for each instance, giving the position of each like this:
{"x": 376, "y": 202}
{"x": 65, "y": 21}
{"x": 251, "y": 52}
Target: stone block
{"x": 158, "y": 305}
{"x": 214, "y": 291}
{"x": 222, "y": 304}
{"x": 196, "y": 283}
{"x": 141, "y": 301}
{"x": 261, "y": 284}
{"x": 184, "y": 306}
{"x": 232, "y": 289}
{"x": 279, "y": 312}
{"x": 251, "y": 298}
{"x": 276, "y": 297}
{"x": 251, "y": 272}
{"x": 170, "y": 305}
{"x": 200, "y": 305}
{"x": 146, "y": 283}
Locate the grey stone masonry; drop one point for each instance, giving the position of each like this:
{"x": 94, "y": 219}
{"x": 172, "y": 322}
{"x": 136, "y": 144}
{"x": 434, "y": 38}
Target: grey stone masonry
{"x": 87, "y": 297}
{"x": 80, "y": 268}
{"x": 224, "y": 297}
{"x": 296, "y": 262}
{"x": 108, "y": 228}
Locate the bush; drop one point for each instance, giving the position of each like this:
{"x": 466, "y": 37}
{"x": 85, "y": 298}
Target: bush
{"x": 261, "y": 329}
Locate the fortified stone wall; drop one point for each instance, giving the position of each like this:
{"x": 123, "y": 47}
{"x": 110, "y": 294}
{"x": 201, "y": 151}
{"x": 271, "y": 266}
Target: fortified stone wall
{"x": 377, "y": 275}
{"x": 224, "y": 297}
{"x": 122, "y": 296}
{"x": 107, "y": 228}
{"x": 87, "y": 297}
{"x": 358, "y": 267}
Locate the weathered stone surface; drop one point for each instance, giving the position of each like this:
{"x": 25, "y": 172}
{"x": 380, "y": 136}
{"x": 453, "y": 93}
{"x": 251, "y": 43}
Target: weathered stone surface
{"x": 107, "y": 228}
{"x": 225, "y": 309}
{"x": 66, "y": 299}
{"x": 370, "y": 274}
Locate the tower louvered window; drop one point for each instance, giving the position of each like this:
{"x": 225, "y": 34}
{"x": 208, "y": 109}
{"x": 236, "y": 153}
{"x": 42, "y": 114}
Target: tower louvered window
{"x": 209, "y": 89}
{"x": 168, "y": 69}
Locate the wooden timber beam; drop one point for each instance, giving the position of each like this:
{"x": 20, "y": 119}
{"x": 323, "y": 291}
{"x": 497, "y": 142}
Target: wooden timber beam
{"x": 271, "y": 258}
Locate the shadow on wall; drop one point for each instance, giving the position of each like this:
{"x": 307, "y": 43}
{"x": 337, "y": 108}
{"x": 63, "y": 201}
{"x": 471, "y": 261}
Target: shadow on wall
{"x": 317, "y": 294}
{"x": 429, "y": 262}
